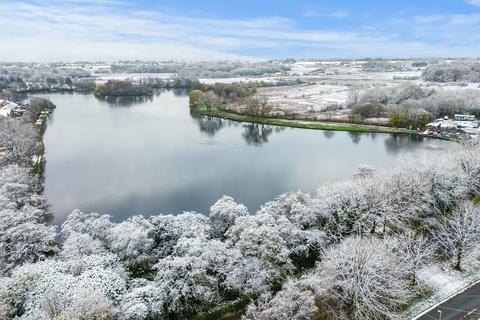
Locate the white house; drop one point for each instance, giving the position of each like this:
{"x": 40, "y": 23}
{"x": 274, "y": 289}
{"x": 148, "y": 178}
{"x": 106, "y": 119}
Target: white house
{"x": 8, "y": 108}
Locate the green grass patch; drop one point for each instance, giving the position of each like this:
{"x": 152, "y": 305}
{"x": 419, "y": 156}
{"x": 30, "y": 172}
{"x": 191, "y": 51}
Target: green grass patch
{"x": 301, "y": 124}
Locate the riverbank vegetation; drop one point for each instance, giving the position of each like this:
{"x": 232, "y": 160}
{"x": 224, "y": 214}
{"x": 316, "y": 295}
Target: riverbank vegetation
{"x": 24, "y": 236}
{"x": 239, "y": 102}
{"x": 392, "y": 109}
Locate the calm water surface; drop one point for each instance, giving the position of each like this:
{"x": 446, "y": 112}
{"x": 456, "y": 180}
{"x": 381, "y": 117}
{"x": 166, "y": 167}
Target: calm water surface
{"x": 150, "y": 156}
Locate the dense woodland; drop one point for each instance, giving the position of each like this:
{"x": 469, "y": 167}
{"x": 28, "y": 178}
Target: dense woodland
{"x": 413, "y": 105}
{"x": 351, "y": 251}
{"x": 206, "y": 69}
{"x": 453, "y": 71}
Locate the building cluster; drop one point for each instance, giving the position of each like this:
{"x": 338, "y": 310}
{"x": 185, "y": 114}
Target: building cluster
{"x": 461, "y": 126}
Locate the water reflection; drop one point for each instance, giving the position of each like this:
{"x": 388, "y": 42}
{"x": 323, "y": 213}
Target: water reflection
{"x": 208, "y": 125}
{"x": 256, "y": 134}
{"x": 329, "y": 134}
{"x": 394, "y": 144}
{"x": 356, "y": 136}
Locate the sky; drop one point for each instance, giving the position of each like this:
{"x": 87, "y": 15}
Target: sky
{"x": 110, "y": 30}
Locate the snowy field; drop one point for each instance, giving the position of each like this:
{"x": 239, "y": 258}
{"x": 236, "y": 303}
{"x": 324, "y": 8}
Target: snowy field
{"x": 326, "y": 87}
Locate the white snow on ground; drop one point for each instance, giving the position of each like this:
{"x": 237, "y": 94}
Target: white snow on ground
{"x": 306, "y": 97}
{"x": 445, "y": 282}
{"x": 242, "y": 79}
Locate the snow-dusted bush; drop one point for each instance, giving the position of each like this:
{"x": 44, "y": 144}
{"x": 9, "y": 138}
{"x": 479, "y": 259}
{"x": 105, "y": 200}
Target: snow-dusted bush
{"x": 448, "y": 102}
{"x": 224, "y": 213}
{"x": 295, "y": 301}
{"x": 420, "y": 190}
{"x": 415, "y": 193}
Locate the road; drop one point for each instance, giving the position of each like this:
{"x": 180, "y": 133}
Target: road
{"x": 463, "y": 306}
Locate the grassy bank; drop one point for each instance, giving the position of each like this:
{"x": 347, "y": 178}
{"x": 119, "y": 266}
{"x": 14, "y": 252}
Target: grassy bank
{"x": 316, "y": 125}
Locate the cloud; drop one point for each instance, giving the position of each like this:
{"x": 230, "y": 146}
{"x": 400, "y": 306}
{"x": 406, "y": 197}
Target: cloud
{"x": 474, "y": 2}
{"x": 333, "y": 14}
{"x": 72, "y": 30}
{"x": 104, "y": 30}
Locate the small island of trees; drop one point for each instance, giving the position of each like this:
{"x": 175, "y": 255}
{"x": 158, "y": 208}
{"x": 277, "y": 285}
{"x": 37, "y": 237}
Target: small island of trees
{"x": 122, "y": 88}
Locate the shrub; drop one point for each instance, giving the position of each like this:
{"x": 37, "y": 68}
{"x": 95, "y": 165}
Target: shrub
{"x": 369, "y": 110}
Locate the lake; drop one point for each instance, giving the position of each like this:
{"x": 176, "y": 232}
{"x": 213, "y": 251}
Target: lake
{"x": 126, "y": 156}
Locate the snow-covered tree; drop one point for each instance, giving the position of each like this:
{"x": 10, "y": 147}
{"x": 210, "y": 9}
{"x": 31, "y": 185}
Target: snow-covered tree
{"x": 56, "y": 289}
{"x": 351, "y": 209}
{"x": 96, "y": 225}
{"x": 23, "y": 235}
{"x": 415, "y": 251}
{"x": 273, "y": 239}
{"x": 224, "y": 213}
{"x": 20, "y": 140}
{"x": 366, "y": 277}
{"x": 460, "y": 234}
{"x": 79, "y": 245}
{"x": 22, "y": 239}
{"x": 131, "y": 239}
{"x": 295, "y": 301}
{"x": 168, "y": 229}
{"x": 364, "y": 171}
{"x": 143, "y": 300}
{"x": 298, "y": 207}
{"x": 189, "y": 280}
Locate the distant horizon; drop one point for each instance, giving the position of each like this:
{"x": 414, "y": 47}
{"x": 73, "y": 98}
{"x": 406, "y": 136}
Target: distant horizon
{"x": 246, "y": 60}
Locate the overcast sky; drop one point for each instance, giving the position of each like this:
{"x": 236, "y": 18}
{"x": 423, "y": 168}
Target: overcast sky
{"x": 70, "y": 30}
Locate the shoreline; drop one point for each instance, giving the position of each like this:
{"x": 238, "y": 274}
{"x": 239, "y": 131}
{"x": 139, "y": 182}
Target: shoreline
{"x": 308, "y": 124}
